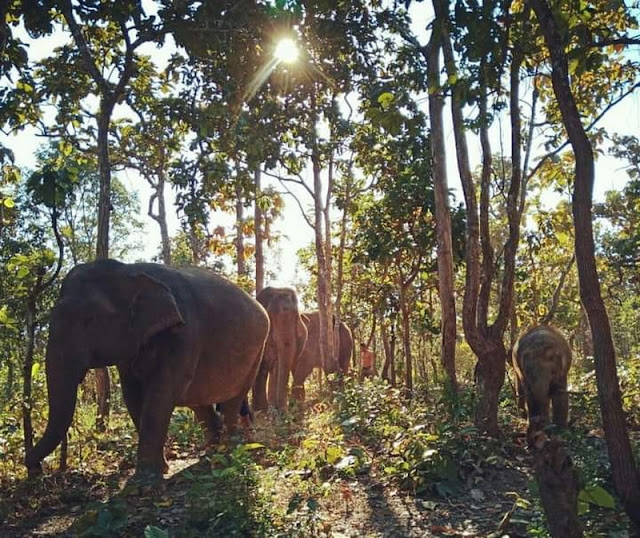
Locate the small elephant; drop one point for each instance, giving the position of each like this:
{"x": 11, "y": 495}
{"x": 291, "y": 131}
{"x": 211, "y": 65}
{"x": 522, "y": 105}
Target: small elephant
{"x": 310, "y": 357}
{"x": 179, "y": 337}
{"x": 541, "y": 360}
{"x": 287, "y": 338}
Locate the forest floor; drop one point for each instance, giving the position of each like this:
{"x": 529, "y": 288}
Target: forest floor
{"x": 311, "y": 473}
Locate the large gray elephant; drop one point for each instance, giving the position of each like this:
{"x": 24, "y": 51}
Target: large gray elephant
{"x": 310, "y": 357}
{"x": 179, "y": 337}
{"x": 287, "y": 338}
{"x": 541, "y": 360}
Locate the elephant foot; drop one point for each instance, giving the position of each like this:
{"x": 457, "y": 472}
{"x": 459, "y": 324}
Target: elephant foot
{"x": 145, "y": 483}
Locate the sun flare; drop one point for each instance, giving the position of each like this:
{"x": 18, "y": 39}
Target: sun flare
{"x": 286, "y": 51}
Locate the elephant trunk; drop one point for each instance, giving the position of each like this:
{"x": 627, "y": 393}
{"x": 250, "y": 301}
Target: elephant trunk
{"x": 62, "y": 386}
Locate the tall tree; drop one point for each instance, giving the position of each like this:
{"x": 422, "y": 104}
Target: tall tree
{"x": 623, "y": 467}
{"x": 107, "y": 37}
{"x": 443, "y": 212}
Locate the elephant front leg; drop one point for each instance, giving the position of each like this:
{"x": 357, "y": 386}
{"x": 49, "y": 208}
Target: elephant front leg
{"x": 132, "y": 393}
{"x": 154, "y": 423}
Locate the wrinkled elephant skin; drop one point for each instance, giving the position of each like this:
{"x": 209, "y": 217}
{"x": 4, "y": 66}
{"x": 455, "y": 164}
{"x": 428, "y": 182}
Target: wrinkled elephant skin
{"x": 310, "y": 357}
{"x": 179, "y": 337}
{"x": 541, "y": 360}
{"x": 287, "y": 338}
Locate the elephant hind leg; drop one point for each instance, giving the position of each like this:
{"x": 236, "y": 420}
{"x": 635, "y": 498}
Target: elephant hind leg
{"x": 560, "y": 400}
{"x": 210, "y": 421}
{"x": 231, "y": 411}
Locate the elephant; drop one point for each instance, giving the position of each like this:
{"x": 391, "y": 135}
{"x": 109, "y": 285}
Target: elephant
{"x": 310, "y": 357}
{"x": 541, "y": 360}
{"x": 179, "y": 337}
{"x": 287, "y": 338}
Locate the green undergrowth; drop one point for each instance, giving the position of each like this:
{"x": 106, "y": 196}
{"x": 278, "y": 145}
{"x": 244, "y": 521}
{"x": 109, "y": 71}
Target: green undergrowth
{"x": 430, "y": 447}
{"x": 292, "y": 477}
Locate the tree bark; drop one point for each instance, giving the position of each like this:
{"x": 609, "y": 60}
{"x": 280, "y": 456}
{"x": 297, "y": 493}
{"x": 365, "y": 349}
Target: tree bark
{"x": 387, "y": 351}
{"x": 484, "y": 338}
{"x": 240, "y": 261}
{"x": 623, "y": 466}
{"x": 27, "y": 402}
{"x": 161, "y": 219}
{"x": 406, "y": 338}
{"x": 559, "y": 487}
{"x": 323, "y": 286}
{"x": 443, "y": 212}
{"x": 257, "y": 217}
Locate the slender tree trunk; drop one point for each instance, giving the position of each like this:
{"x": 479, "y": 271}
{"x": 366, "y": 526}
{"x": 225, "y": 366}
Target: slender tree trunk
{"x": 406, "y": 338}
{"x": 103, "y": 385}
{"x": 623, "y": 466}
{"x": 323, "y": 277}
{"x": 27, "y": 401}
{"x": 257, "y": 217}
{"x": 387, "y": 351}
{"x": 162, "y": 220}
{"x": 392, "y": 344}
{"x": 332, "y": 320}
{"x": 341, "y": 250}
{"x": 240, "y": 261}
{"x": 8, "y": 388}
{"x": 443, "y": 213}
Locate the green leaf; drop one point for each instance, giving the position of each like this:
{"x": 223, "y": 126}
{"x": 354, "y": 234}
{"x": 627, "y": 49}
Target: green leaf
{"x": 35, "y": 368}
{"x": 598, "y": 496}
{"x": 334, "y": 453}
{"x": 253, "y": 446}
{"x": 386, "y": 100}
{"x": 155, "y": 532}
{"x": 9, "y": 203}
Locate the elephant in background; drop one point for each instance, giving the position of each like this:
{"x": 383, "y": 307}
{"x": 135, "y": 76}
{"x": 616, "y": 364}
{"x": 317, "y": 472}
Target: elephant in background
{"x": 310, "y": 357}
{"x": 179, "y": 337}
{"x": 287, "y": 338}
{"x": 541, "y": 360}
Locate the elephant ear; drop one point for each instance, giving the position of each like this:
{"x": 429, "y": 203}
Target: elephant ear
{"x": 153, "y": 308}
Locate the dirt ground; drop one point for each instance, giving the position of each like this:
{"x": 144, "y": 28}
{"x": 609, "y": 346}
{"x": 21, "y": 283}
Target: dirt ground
{"x": 364, "y": 505}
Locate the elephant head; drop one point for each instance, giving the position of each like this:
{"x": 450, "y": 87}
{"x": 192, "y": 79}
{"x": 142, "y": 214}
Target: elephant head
{"x": 105, "y": 314}
{"x": 286, "y": 340}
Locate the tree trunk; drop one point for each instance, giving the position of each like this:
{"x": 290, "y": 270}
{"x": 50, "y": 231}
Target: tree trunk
{"x": 257, "y": 216}
{"x": 103, "y": 385}
{"x": 559, "y": 487}
{"x": 443, "y": 213}
{"x": 322, "y": 294}
{"x": 387, "y": 351}
{"x": 162, "y": 220}
{"x": 406, "y": 339}
{"x": 490, "y": 373}
{"x": 623, "y": 467}
{"x": 343, "y": 242}
{"x": 241, "y": 266}
{"x": 27, "y": 402}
